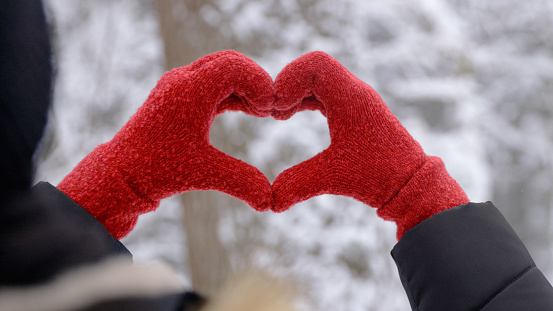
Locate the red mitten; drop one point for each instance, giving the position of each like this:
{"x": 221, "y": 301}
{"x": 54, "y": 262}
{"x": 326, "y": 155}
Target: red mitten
{"x": 371, "y": 157}
{"x": 164, "y": 148}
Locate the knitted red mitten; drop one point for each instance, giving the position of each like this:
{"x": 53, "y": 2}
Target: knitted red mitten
{"x": 371, "y": 157}
{"x": 164, "y": 148}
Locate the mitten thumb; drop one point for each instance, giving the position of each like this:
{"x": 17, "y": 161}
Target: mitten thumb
{"x": 303, "y": 181}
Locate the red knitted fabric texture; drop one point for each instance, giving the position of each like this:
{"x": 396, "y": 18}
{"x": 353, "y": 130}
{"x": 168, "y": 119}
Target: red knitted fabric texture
{"x": 164, "y": 148}
{"x": 371, "y": 157}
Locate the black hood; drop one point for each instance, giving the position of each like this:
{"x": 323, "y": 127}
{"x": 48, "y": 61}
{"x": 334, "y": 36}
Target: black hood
{"x": 25, "y": 88}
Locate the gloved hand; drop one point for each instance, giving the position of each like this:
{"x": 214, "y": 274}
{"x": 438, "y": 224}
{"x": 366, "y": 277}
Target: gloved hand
{"x": 371, "y": 157}
{"x": 164, "y": 148}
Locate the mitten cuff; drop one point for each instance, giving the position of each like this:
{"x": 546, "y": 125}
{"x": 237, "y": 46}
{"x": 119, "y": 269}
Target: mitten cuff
{"x": 430, "y": 191}
{"x": 101, "y": 189}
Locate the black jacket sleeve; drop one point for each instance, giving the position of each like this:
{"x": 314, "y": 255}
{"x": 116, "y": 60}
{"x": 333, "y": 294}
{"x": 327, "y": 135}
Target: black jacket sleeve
{"x": 469, "y": 258}
{"x": 43, "y": 233}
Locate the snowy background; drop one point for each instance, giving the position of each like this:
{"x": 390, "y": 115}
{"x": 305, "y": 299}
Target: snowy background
{"x": 471, "y": 80}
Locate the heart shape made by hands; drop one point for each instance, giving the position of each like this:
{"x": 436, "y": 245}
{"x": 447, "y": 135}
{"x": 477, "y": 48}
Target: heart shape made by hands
{"x": 360, "y": 161}
{"x": 164, "y": 149}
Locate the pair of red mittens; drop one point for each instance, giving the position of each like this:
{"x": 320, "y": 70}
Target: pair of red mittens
{"x": 164, "y": 149}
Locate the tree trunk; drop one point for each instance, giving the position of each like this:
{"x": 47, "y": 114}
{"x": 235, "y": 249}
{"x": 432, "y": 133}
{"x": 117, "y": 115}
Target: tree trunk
{"x": 187, "y": 37}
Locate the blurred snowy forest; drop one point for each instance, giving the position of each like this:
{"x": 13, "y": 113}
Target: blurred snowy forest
{"x": 472, "y": 80}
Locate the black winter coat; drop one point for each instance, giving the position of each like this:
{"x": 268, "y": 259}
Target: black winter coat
{"x": 469, "y": 258}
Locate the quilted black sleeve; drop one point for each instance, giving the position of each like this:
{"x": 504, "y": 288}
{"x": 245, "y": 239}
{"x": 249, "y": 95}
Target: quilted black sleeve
{"x": 469, "y": 258}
